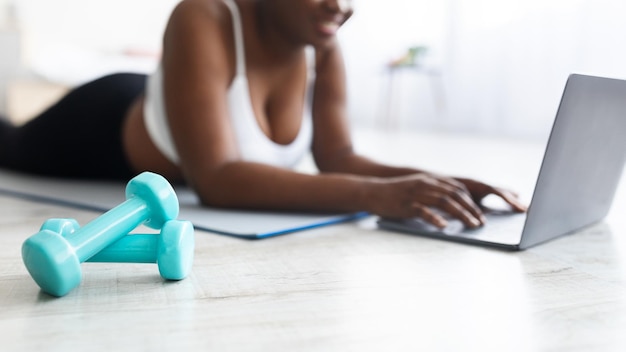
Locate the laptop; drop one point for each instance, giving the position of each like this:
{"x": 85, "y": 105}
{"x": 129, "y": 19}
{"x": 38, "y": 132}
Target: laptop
{"x": 579, "y": 175}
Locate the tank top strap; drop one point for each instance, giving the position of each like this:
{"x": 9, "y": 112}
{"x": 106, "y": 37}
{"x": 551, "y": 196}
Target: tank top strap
{"x": 238, "y": 36}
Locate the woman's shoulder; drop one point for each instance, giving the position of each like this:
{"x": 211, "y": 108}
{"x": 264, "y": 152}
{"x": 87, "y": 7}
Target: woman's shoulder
{"x": 199, "y": 34}
{"x": 200, "y": 23}
{"x": 211, "y": 14}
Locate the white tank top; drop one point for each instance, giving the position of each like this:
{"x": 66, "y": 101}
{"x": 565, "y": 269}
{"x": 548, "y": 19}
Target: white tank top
{"x": 254, "y": 145}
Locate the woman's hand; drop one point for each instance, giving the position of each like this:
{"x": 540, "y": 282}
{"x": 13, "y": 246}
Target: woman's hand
{"x": 416, "y": 196}
{"x": 479, "y": 191}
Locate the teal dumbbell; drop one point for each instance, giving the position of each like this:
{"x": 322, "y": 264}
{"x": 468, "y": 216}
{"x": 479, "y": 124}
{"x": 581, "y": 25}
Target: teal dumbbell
{"x": 53, "y": 261}
{"x": 172, "y": 249}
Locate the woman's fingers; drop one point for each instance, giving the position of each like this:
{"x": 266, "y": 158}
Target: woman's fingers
{"x": 452, "y": 207}
{"x": 466, "y": 201}
{"x": 456, "y": 202}
{"x": 426, "y": 214}
{"x": 511, "y": 199}
{"x": 479, "y": 190}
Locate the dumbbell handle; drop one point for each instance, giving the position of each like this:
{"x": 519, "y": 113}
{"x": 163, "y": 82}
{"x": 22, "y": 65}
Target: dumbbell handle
{"x": 110, "y": 226}
{"x": 133, "y": 248}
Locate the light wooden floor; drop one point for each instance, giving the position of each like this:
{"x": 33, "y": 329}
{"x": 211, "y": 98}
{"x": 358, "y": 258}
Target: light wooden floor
{"x": 348, "y": 287}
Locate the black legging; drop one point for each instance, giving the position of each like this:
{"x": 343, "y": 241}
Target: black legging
{"x": 80, "y": 136}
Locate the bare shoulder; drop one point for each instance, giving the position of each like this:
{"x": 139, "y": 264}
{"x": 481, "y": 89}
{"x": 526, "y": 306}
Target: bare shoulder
{"x": 205, "y": 14}
{"x": 200, "y": 23}
{"x": 199, "y": 36}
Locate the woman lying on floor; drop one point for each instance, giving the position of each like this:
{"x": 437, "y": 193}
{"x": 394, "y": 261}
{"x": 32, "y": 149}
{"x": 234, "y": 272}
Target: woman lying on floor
{"x": 244, "y": 89}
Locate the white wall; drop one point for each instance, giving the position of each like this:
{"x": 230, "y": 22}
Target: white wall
{"x": 507, "y": 61}
{"x": 503, "y": 62}
{"x": 9, "y": 49}
{"x": 71, "y": 41}
{"x": 379, "y": 32}
{"x": 100, "y": 25}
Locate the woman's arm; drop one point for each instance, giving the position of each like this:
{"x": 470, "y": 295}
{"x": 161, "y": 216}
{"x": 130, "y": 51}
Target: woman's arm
{"x": 332, "y": 145}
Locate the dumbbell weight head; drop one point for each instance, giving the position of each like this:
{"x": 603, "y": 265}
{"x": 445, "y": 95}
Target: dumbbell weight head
{"x": 172, "y": 250}
{"x": 175, "y": 249}
{"x": 52, "y": 262}
{"x": 158, "y": 194}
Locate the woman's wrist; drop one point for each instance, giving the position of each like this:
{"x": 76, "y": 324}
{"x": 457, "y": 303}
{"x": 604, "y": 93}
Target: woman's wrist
{"x": 368, "y": 194}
